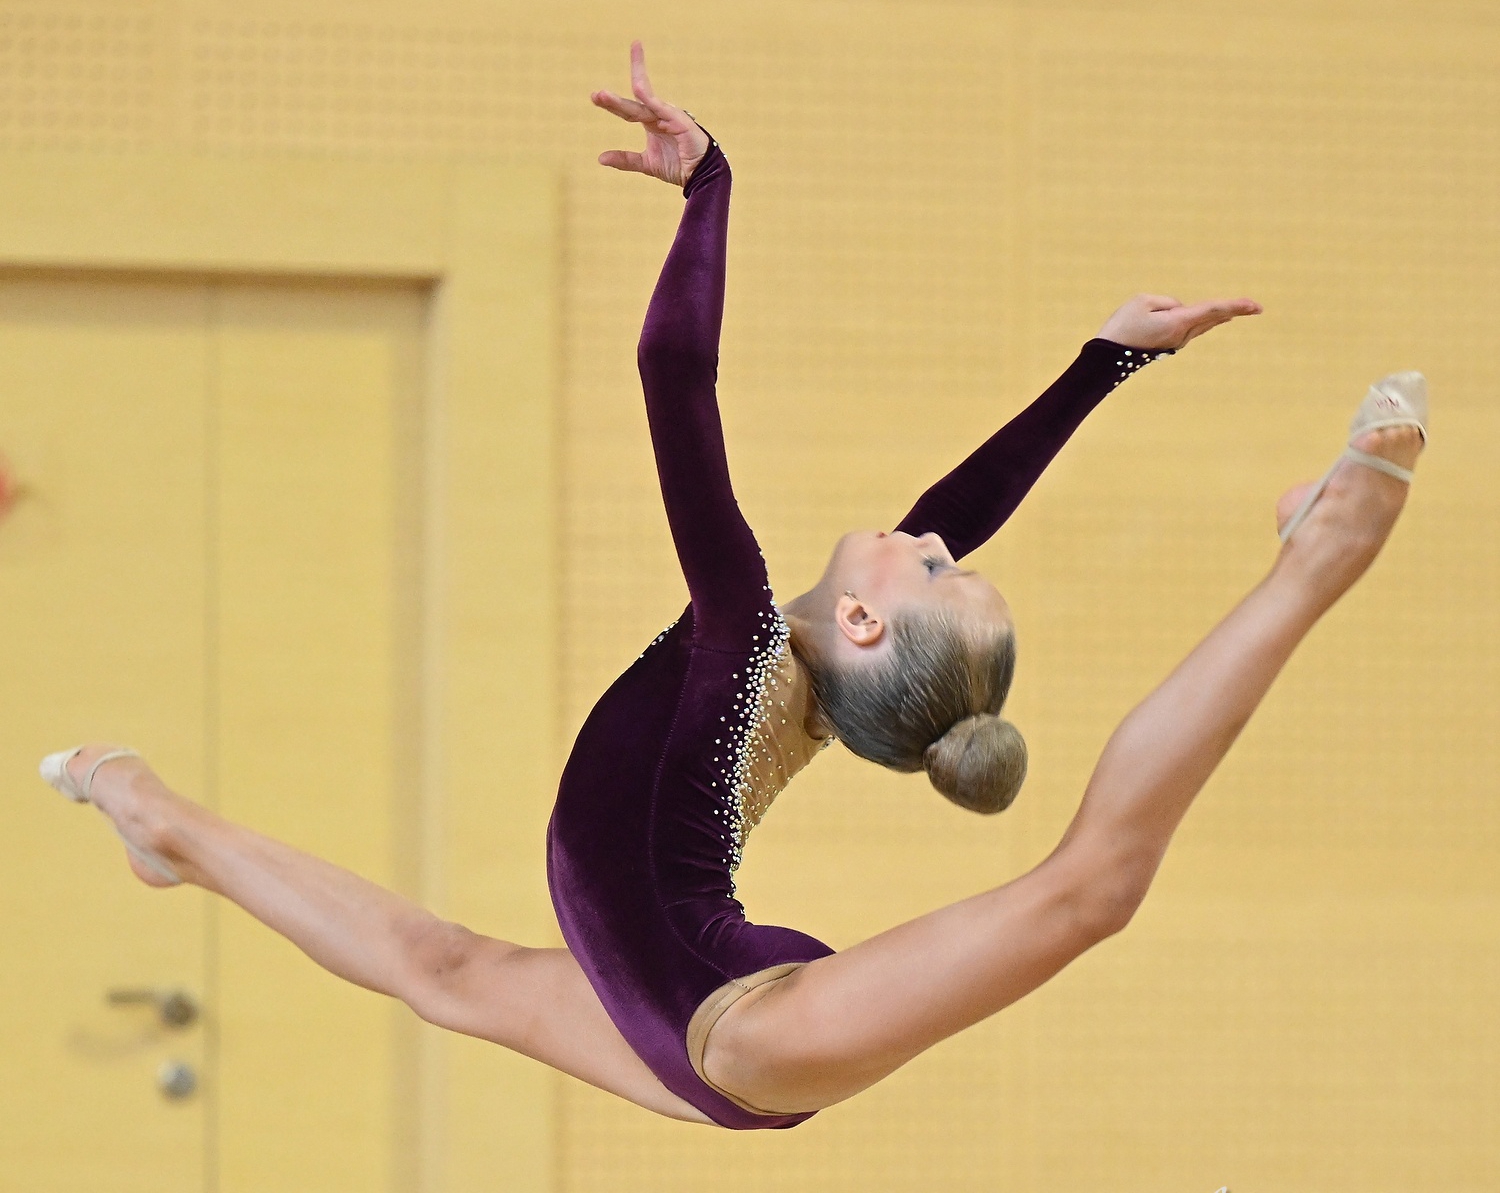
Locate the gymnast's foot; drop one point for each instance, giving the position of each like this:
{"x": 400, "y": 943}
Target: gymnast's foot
{"x": 145, "y": 812}
{"x": 1353, "y": 517}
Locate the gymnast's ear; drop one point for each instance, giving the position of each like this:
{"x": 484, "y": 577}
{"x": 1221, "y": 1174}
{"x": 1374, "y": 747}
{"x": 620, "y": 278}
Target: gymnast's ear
{"x": 857, "y": 622}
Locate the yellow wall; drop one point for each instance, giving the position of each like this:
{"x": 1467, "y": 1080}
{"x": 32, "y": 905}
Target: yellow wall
{"x": 935, "y": 204}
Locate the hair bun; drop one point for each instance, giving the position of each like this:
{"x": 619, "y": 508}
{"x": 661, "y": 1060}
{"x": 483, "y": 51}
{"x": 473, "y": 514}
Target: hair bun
{"x": 980, "y": 763}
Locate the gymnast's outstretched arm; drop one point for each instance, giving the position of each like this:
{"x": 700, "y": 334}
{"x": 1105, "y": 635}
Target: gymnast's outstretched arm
{"x": 843, "y": 1022}
{"x": 973, "y": 501}
{"x": 678, "y": 357}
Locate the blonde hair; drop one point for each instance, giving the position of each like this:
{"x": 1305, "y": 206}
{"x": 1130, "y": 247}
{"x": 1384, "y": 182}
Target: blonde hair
{"x": 933, "y": 705}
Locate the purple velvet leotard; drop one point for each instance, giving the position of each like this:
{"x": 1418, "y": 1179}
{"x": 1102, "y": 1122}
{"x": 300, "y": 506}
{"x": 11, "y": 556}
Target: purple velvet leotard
{"x": 650, "y": 813}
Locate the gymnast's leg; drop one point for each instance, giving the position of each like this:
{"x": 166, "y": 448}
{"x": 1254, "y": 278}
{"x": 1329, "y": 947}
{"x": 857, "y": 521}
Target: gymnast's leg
{"x": 534, "y": 1001}
{"x": 843, "y": 1022}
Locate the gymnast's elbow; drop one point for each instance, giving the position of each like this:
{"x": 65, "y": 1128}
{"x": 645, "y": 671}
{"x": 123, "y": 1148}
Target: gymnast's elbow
{"x": 1103, "y": 895}
{"x": 666, "y": 358}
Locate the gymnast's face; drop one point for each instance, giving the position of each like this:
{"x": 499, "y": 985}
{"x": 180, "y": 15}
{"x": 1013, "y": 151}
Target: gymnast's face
{"x": 887, "y": 572}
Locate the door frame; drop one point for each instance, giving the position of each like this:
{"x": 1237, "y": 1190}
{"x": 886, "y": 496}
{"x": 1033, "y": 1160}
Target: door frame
{"x": 484, "y": 238}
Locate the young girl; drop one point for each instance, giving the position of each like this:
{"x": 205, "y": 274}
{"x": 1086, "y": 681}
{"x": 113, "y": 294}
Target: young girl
{"x": 666, "y": 994}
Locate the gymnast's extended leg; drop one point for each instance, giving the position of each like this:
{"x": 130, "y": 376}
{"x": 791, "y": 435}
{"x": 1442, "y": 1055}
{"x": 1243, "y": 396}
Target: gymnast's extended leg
{"x": 843, "y": 1022}
{"x": 534, "y": 1001}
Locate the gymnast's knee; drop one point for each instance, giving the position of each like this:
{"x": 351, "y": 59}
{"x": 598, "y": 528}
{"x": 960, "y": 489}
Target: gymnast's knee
{"x": 439, "y": 960}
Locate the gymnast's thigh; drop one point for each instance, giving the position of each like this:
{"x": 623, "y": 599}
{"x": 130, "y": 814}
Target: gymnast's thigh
{"x": 839, "y": 1024}
{"x": 538, "y": 1002}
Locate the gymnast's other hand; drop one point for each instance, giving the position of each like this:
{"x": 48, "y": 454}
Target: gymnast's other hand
{"x": 674, "y": 142}
{"x": 1157, "y": 322}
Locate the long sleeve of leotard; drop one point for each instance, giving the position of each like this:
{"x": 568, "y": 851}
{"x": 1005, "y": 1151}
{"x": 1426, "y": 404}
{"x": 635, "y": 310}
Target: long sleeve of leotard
{"x": 679, "y": 361}
{"x": 973, "y": 501}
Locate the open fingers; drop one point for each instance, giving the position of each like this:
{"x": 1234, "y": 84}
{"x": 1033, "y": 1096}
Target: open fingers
{"x": 623, "y": 159}
{"x": 675, "y": 144}
{"x": 625, "y": 109}
{"x": 1205, "y": 316}
{"x": 640, "y": 82}
{"x": 670, "y": 119}
{"x": 1220, "y": 309}
{"x": 657, "y": 115}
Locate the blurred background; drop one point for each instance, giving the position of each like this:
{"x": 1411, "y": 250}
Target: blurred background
{"x": 334, "y": 497}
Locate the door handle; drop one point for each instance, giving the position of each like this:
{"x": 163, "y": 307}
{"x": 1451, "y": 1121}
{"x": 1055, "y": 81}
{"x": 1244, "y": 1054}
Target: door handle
{"x": 175, "y": 1008}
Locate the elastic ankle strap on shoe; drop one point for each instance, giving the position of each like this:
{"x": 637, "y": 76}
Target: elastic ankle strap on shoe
{"x": 1379, "y": 463}
{"x": 88, "y": 779}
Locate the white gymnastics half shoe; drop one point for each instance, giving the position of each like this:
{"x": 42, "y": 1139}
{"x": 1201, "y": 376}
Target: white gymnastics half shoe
{"x": 1399, "y": 400}
{"x": 54, "y": 770}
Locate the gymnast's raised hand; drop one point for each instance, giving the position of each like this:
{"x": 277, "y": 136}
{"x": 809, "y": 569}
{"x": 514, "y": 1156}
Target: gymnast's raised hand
{"x": 674, "y": 142}
{"x": 666, "y": 994}
{"x": 1154, "y": 321}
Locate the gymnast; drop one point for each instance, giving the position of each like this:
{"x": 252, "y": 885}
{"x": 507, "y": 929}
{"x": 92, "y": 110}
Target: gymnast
{"x": 665, "y": 994}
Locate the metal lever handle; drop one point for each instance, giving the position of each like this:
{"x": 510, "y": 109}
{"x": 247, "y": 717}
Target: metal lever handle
{"x": 175, "y": 1008}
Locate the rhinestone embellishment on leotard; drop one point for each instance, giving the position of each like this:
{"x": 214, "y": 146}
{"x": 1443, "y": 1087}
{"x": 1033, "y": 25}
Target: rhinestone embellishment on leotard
{"x": 1133, "y": 360}
{"x": 753, "y": 768}
{"x": 751, "y": 709}
{"x": 657, "y": 639}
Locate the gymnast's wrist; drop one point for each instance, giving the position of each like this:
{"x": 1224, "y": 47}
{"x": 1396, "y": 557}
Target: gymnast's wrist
{"x": 708, "y": 167}
{"x": 1149, "y": 354}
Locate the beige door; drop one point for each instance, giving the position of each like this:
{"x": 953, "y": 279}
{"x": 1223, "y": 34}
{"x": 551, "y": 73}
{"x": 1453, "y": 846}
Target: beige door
{"x": 215, "y": 561}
